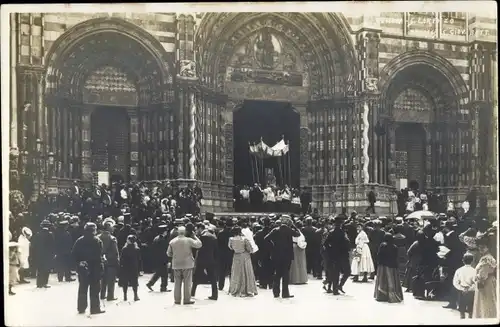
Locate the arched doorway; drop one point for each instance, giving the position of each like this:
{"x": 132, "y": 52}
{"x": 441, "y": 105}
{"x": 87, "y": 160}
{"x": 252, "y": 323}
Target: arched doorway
{"x": 297, "y": 58}
{"x": 423, "y": 98}
{"x": 110, "y": 141}
{"x": 410, "y": 150}
{"x": 106, "y": 80}
{"x": 270, "y": 122}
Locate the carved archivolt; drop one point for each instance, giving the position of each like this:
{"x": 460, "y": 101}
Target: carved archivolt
{"x": 287, "y": 49}
{"x": 102, "y": 42}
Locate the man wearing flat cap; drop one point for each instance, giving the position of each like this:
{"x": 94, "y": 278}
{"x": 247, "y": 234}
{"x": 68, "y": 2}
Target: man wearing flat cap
{"x": 111, "y": 260}
{"x": 87, "y": 252}
{"x": 43, "y": 253}
{"x": 63, "y": 245}
{"x": 160, "y": 259}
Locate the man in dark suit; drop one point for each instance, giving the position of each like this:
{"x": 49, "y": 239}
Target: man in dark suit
{"x": 225, "y": 259}
{"x": 338, "y": 246}
{"x": 371, "y": 200}
{"x": 313, "y": 248}
{"x": 160, "y": 259}
{"x": 206, "y": 261}
{"x": 264, "y": 255}
{"x": 282, "y": 254}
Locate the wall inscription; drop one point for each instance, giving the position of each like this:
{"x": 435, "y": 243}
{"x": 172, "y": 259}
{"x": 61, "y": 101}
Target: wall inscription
{"x": 254, "y": 91}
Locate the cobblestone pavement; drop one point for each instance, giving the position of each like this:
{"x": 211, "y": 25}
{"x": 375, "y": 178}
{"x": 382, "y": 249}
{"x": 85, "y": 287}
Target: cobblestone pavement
{"x": 311, "y": 305}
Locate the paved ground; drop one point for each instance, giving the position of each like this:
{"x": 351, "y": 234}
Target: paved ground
{"x": 57, "y": 306}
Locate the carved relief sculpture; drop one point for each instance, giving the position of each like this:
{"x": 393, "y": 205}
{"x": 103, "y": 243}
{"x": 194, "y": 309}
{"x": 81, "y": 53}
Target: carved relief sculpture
{"x": 187, "y": 69}
{"x": 371, "y": 84}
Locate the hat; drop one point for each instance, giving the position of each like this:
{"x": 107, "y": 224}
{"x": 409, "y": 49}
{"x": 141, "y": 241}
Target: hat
{"x": 90, "y": 226}
{"x": 206, "y": 223}
{"x": 399, "y": 220}
{"x": 452, "y": 222}
{"x": 272, "y": 216}
{"x": 162, "y": 226}
{"x": 120, "y": 219}
{"x": 377, "y": 222}
{"x": 109, "y": 222}
{"x": 26, "y": 232}
{"x": 45, "y": 223}
{"x": 63, "y": 223}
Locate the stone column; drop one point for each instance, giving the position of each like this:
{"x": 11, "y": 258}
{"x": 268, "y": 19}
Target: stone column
{"x": 391, "y": 139}
{"x": 13, "y": 82}
{"x": 428, "y": 155}
{"x": 134, "y": 144}
{"x": 86, "y": 164}
{"x": 231, "y": 106}
{"x": 305, "y": 158}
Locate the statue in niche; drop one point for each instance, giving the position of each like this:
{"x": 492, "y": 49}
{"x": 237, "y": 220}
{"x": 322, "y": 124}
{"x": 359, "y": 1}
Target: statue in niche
{"x": 187, "y": 68}
{"x": 265, "y": 50}
{"x": 371, "y": 84}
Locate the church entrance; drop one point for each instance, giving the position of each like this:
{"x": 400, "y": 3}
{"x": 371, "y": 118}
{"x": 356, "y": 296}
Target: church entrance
{"x": 110, "y": 142}
{"x": 270, "y": 122}
{"x": 410, "y": 154}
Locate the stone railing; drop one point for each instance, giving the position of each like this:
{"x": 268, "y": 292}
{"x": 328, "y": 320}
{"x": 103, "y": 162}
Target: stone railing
{"x": 352, "y": 197}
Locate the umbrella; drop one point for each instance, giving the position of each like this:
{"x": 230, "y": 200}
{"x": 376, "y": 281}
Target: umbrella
{"x": 421, "y": 214}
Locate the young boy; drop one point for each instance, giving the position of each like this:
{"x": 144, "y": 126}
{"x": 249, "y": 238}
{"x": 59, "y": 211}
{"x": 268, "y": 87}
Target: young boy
{"x": 463, "y": 281}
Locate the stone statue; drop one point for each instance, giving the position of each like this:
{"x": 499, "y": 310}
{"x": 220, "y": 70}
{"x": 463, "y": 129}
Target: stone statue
{"x": 187, "y": 68}
{"x": 371, "y": 84}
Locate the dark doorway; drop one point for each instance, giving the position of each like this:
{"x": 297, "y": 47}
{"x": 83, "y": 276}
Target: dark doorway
{"x": 110, "y": 141}
{"x": 410, "y": 138}
{"x": 271, "y": 121}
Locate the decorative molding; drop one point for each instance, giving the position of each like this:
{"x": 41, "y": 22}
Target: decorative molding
{"x": 366, "y": 143}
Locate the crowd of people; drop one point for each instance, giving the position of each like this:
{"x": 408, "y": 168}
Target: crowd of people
{"x": 444, "y": 257}
{"x": 271, "y": 198}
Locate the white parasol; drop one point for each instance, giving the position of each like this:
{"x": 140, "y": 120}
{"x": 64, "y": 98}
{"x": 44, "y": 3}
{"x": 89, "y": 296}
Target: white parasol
{"x": 421, "y": 216}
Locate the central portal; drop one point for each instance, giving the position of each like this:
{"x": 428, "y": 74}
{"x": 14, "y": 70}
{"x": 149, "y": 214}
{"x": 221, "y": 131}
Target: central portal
{"x": 270, "y": 122}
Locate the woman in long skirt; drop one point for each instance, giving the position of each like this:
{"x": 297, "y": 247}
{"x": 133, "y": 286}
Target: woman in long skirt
{"x": 387, "y": 283}
{"x": 401, "y": 242}
{"x": 485, "y": 297}
{"x": 298, "y": 270}
{"x": 130, "y": 263}
{"x": 362, "y": 263}
{"x": 242, "y": 275}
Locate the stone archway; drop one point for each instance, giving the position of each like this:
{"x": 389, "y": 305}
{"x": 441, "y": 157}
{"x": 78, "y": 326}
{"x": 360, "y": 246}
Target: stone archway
{"x": 425, "y": 89}
{"x": 294, "y": 57}
{"x": 98, "y": 63}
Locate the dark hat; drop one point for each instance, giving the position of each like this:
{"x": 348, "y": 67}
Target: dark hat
{"x": 45, "y": 223}
{"x": 90, "y": 226}
{"x": 452, "y": 222}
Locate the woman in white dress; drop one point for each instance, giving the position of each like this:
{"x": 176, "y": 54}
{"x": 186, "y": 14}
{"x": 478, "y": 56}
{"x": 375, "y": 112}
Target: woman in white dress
{"x": 298, "y": 270}
{"x": 24, "y": 253}
{"x": 362, "y": 263}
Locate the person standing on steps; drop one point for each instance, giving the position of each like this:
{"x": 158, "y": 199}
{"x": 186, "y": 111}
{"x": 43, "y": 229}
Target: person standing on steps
{"x": 180, "y": 250}
{"x": 281, "y": 238}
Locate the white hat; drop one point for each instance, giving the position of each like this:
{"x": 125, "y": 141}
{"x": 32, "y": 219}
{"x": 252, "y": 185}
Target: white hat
{"x": 120, "y": 219}
{"x": 27, "y": 232}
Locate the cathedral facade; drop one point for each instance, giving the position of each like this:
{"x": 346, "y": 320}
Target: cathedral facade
{"x": 151, "y": 96}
